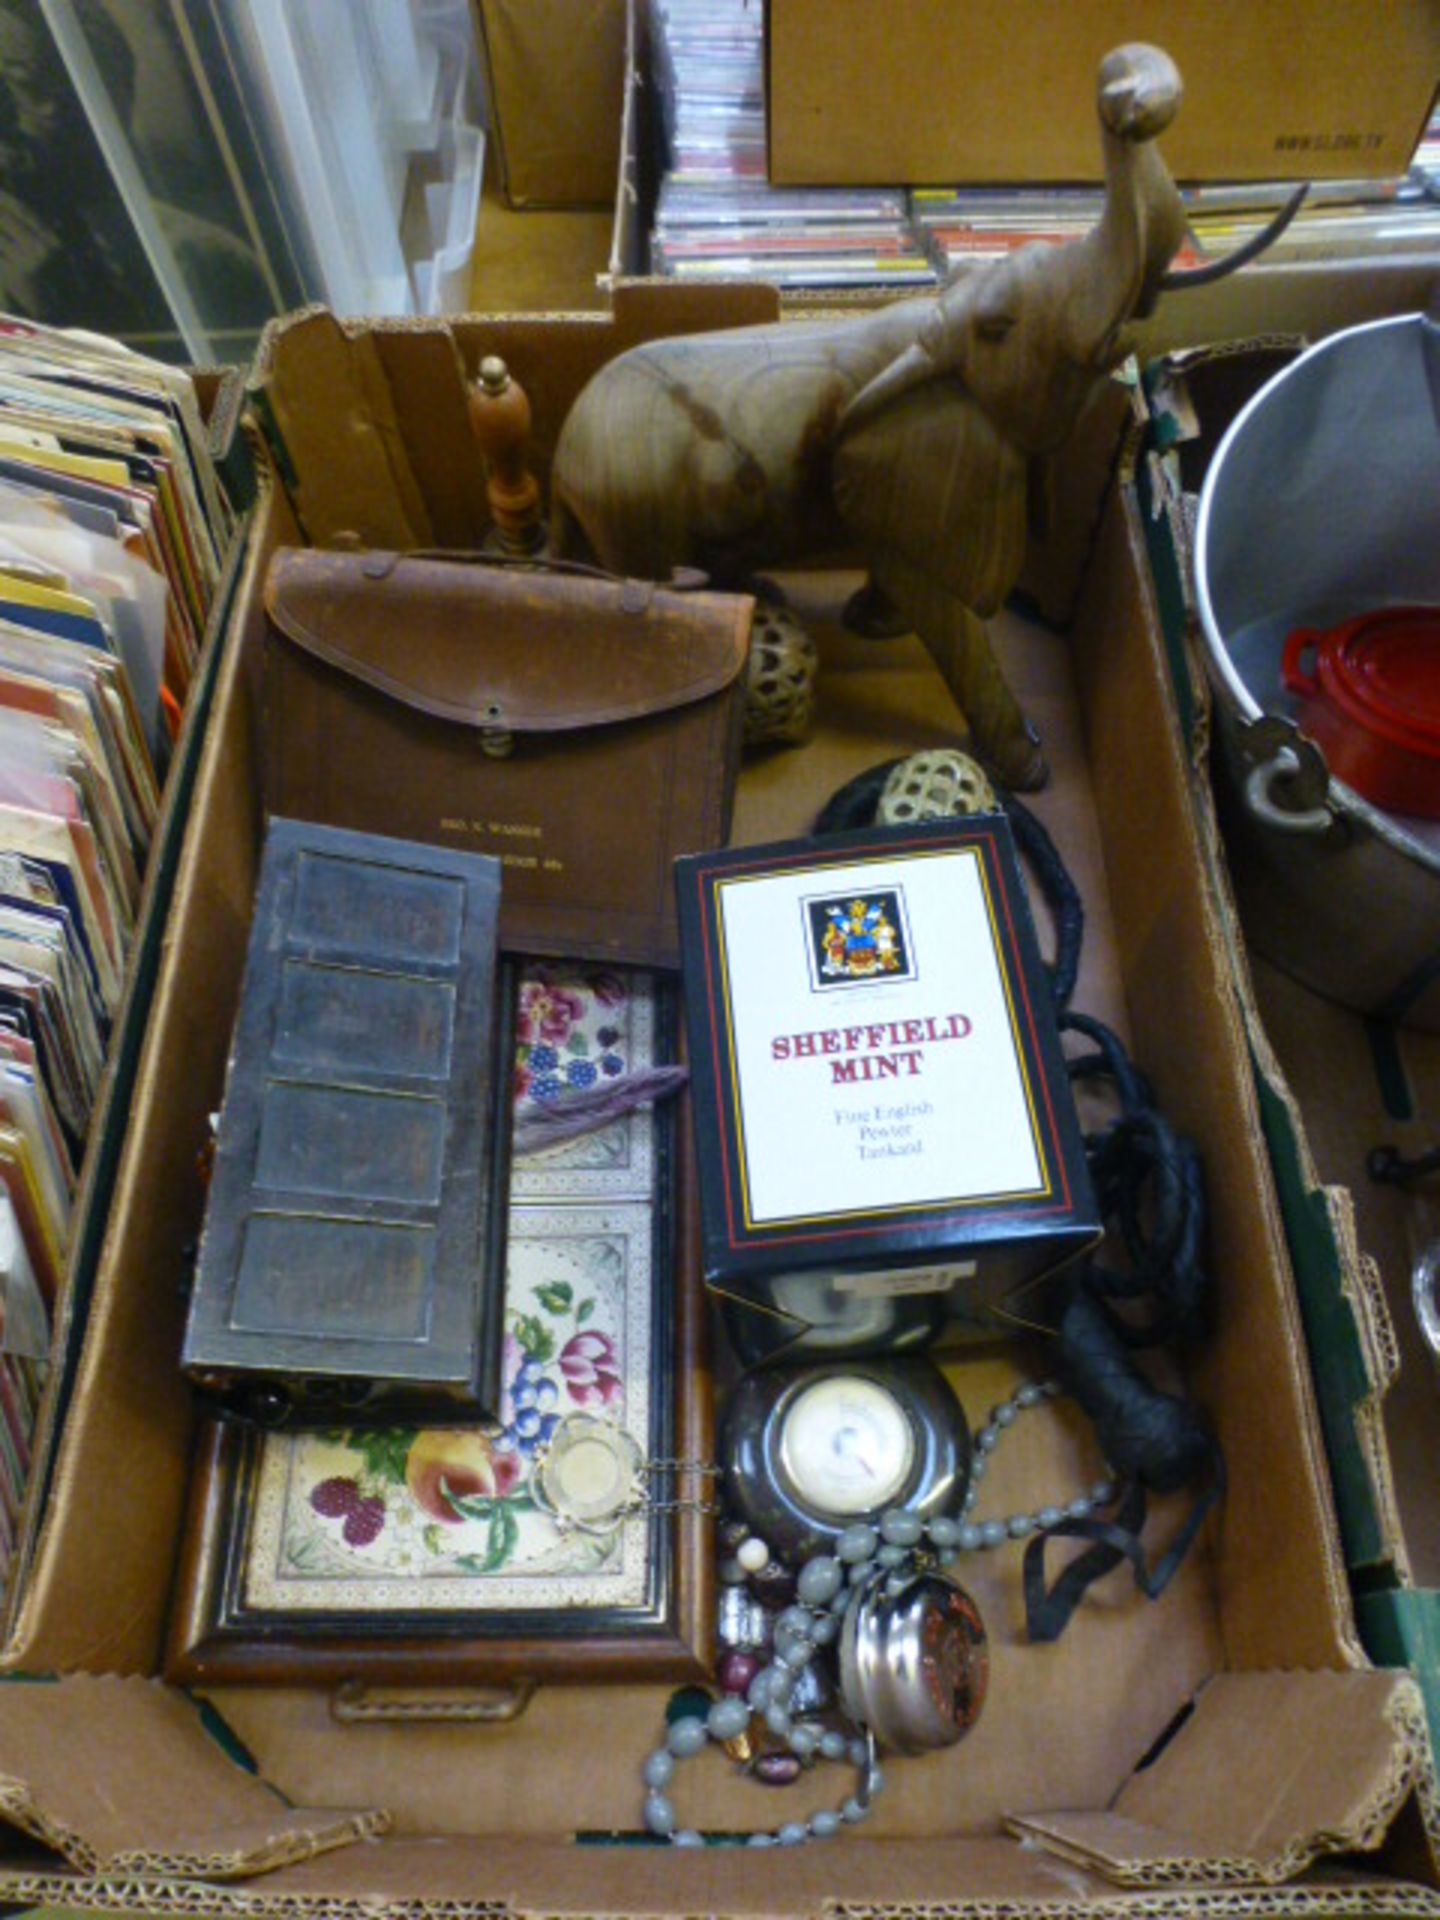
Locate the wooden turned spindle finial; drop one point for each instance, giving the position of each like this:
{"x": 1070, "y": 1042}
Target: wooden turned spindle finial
{"x": 500, "y": 421}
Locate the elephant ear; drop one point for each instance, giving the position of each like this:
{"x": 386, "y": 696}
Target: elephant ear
{"x": 929, "y": 487}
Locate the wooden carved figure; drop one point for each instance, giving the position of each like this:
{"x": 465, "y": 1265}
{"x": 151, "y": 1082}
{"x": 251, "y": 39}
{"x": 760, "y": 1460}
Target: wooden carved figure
{"x": 911, "y": 431}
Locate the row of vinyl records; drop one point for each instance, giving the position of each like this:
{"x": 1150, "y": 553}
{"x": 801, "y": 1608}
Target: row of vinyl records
{"x": 112, "y": 528}
{"x": 717, "y": 218}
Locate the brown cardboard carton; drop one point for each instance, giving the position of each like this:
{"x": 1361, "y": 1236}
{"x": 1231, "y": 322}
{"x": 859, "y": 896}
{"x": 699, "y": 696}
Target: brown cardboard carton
{"x": 931, "y": 94}
{"x": 1185, "y": 1757}
{"x": 1294, "y": 297}
{"x": 554, "y": 72}
{"x": 1337, "y": 1087}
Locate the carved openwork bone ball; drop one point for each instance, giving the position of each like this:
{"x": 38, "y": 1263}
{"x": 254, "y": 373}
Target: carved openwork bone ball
{"x": 780, "y": 688}
{"x": 935, "y": 786}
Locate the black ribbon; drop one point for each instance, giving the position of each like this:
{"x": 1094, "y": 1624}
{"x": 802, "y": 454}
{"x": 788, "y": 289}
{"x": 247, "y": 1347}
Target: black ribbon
{"x": 1048, "y": 1610}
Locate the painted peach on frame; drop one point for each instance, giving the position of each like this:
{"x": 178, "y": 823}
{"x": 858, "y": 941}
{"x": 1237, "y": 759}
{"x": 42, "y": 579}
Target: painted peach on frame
{"x": 460, "y": 1461}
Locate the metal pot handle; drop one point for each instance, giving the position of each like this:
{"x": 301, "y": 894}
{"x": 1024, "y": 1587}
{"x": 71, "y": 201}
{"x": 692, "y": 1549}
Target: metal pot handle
{"x": 1283, "y": 764}
{"x": 1292, "y": 671}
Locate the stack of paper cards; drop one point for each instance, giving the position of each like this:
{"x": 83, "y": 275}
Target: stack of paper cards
{"x": 24, "y": 1346}
{"x": 112, "y": 524}
{"x": 110, "y": 509}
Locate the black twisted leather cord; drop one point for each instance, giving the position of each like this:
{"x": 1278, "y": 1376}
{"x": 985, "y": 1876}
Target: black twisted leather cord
{"x": 1150, "y": 1190}
{"x": 854, "y": 805}
{"x": 1149, "y": 1187}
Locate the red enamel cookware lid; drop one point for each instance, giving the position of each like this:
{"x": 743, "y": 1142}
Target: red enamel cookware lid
{"x": 1391, "y": 663}
{"x": 1384, "y": 670}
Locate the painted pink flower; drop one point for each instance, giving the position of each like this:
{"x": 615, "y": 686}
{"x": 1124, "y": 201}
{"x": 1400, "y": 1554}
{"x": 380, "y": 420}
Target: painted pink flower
{"x": 587, "y": 1361}
{"x": 547, "y": 1012}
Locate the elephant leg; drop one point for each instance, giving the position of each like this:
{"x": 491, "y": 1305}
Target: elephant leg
{"x": 960, "y": 646}
{"x": 1003, "y": 737}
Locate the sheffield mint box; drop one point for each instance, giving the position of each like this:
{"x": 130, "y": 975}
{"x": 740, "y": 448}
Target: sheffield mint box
{"x": 882, "y": 1111}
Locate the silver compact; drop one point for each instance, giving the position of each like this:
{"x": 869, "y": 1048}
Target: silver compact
{"x": 914, "y": 1666}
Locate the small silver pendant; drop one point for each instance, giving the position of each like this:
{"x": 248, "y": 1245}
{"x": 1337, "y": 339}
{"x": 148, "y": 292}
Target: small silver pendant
{"x": 914, "y": 1667}
{"x": 590, "y": 1477}
{"x": 742, "y": 1621}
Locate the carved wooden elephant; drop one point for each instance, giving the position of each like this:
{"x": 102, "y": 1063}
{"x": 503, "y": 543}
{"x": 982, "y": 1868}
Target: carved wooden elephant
{"x": 912, "y": 431}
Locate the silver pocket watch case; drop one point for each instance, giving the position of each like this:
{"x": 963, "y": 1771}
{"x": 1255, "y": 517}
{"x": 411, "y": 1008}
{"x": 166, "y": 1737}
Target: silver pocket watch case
{"x": 808, "y": 1451}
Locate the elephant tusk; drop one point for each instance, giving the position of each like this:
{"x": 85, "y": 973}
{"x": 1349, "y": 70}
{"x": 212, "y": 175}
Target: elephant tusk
{"x": 1181, "y": 278}
{"x": 907, "y": 370}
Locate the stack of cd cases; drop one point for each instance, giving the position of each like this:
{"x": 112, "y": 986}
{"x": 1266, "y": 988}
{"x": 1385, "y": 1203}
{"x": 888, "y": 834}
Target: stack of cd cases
{"x": 716, "y": 217}
{"x": 960, "y": 226}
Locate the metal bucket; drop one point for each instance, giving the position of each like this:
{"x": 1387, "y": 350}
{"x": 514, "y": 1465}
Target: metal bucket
{"x": 1323, "y": 502}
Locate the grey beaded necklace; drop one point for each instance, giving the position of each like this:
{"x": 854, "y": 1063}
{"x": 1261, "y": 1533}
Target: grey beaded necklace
{"x": 900, "y": 1566}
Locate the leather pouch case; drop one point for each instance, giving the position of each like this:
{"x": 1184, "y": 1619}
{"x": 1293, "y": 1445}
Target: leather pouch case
{"x": 582, "y": 728}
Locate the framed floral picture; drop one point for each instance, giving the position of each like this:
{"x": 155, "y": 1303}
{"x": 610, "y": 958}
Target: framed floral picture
{"x": 415, "y": 1554}
{"x": 577, "y": 1029}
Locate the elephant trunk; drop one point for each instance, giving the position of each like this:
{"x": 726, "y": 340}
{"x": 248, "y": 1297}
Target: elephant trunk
{"x": 1109, "y": 275}
{"x": 1143, "y": 222}
{"x": 1115, "y": 274}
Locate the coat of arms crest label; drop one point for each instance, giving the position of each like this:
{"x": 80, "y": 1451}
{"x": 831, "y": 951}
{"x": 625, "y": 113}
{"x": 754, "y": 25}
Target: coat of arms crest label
{"x": 859, "y": 938}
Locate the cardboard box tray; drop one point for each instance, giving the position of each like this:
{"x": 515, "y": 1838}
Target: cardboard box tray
{"x": 929, "y": 94}
{"x": 1333, "y": 1086}
{"x": 1213, "y": 1745}
{"x": 1289, "y": 296}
